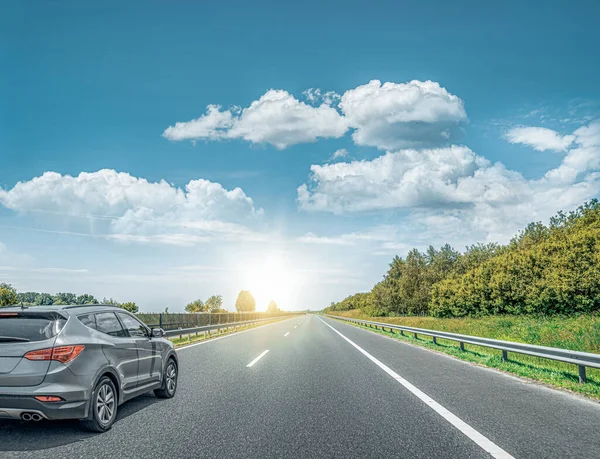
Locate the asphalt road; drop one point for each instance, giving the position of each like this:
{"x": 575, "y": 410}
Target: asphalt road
{"x": 328, "y": 389}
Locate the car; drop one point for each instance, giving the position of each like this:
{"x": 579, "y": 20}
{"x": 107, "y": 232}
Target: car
{"x": 80, "y": 362}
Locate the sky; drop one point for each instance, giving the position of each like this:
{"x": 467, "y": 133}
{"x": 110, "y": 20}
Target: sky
{"x": 160, "y": 152}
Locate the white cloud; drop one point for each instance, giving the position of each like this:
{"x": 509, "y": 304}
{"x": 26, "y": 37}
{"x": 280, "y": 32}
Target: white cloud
{"x": 311, "y": 238}
{"x": 341, "y": 153}
{"x": 124, "y": 207}
{"x": 315, "y": 96}
{"x": 404, "y": 179}
{"x": 539, "y": 138}
{"x": 406, "y": 115}
{"x": 581, "y": 159}
{"x": 277, "y": 118}
{"x": 473, "y": 197}
{"x": 211, "y": 126}
{"x": 387, "y": 116}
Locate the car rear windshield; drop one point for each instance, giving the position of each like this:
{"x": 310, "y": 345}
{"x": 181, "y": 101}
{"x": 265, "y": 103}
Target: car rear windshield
{"x": 29, "y": 328}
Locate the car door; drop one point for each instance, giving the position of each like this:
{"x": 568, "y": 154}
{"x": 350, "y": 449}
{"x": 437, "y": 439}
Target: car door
{"x": 121, "y": 349}
{"x": 149, "y": 350}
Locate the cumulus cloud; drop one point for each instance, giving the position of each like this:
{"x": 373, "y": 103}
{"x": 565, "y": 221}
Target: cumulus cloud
{"x": 482, "y": 199}
{"x": 405, "y": 115}
{"x": 126, "y": 206}
{"x": 316, "y": 96}
{"x": 211, "y": 126}
{"x": 388, "y": 116}
{"x": 277, "y": 118}
{"x": 406, "y": 178}
{"x": 584, "y": 157}
{"x": 540, "y": 138}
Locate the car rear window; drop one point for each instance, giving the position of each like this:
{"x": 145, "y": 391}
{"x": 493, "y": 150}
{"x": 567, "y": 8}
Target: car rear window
{"x": 29, "y": 328}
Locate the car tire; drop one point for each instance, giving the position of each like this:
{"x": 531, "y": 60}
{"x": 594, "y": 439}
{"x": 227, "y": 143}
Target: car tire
{"x": 170, "y": 381}
{"x": 103, "y": 407}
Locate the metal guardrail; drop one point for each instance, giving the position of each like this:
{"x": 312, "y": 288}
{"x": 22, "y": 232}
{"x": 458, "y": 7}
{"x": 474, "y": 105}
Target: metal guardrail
{"x": 207, "y": 328}
{"x": 581, "y": 359}
{"x": 175, "y": 321}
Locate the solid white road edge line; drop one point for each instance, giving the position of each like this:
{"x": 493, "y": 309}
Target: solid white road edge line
{"x": 286, "y": 334}
{"x": 228, "y": 335}
{"x": 257, "y": 359}
{"x": 482, "y": 441}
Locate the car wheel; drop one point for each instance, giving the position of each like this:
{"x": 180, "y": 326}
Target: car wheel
{"x": 170, "y": 381}
{"x": 103, "y": 407}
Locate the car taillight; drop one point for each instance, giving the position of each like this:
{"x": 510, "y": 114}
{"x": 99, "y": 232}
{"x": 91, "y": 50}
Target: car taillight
{"x": 62, "y": 354}
{"x": 48, "y": 398}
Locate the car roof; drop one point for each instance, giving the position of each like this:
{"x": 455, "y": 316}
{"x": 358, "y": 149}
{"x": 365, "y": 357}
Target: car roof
{"x": 68, "y": 308}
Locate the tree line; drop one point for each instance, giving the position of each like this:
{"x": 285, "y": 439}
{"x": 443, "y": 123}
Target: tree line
{"x": 544, "y": 269}
{"x": 10, "y": 296}
{"x": 245, "y": 302}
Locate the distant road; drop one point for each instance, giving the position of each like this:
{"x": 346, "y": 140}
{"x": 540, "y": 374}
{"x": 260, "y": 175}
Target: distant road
{"x": 311, "y": 387}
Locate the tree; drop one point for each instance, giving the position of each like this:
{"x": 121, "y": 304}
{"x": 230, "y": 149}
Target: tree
{"x": 130, "y": 306}
{"x": 214, "y": 303}
{"x": 8, "y": 295}
{"x": 65, "y": 298}
{"x": 111, "y": 302}
{"x": 86, "y": 299}
{"x": 195, "y": 306}
{"x": 27, "y": 298}
{"x": 272, "y": 307}
{"x": 44, "y": 299}
{"x": 245, "y": 302}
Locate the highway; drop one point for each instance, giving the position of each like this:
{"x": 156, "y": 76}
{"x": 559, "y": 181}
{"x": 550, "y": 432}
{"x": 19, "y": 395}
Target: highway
{"x": 312, "y": 387}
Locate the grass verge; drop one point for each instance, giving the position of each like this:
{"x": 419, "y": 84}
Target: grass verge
{"x": 181, "y": 342}
{"x": 552, "y": 373}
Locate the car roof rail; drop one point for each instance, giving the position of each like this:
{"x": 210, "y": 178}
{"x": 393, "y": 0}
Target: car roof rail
{"x": 73, "y": 306}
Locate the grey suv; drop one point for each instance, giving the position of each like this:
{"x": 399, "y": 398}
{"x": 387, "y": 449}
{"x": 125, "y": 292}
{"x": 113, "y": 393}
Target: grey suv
{"x": 79, "y": 362}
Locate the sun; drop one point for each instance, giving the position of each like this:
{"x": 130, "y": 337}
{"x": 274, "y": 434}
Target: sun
{"x": 271, "y": 279}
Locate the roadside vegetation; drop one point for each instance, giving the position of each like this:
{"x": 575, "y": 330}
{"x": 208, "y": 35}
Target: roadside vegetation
{"x": 550, "y": 270}
{"x": 9, "y": 296}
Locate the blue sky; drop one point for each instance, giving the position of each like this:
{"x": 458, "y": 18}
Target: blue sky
{"x": 478, "y": 119}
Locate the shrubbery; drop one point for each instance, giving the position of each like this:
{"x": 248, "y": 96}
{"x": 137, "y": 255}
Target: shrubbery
{"x": 552, "y": 269}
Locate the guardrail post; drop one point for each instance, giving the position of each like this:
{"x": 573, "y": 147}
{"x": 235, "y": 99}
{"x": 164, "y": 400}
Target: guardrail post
{"x": 505, "y": 356}
{"x": 415, "y": 336}
{"x": 402, "y": 332}
{"x": 434, "y": 339}
{"x": 582, "y": 377}
{"x": 461, "y": 346}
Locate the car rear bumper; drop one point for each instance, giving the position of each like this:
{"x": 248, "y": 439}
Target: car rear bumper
{"x": 14, "y": 408}
{"x": 14, "y": 401}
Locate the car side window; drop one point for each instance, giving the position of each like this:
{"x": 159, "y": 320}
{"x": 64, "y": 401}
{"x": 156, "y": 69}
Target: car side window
{"x": 132, "y": 325}
{"x": 89, "y": 320}
{"x": 107, "y": 322}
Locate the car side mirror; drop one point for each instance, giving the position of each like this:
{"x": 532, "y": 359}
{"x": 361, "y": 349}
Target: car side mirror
{"x": 157, "y": 332}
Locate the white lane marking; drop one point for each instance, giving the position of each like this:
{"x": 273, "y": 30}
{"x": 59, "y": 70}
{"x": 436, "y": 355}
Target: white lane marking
{"x": 257, "y": 358}
{"x": 482, "y": 441}
{"x": 286, "y": 334}
{"x": 182, "y": 348}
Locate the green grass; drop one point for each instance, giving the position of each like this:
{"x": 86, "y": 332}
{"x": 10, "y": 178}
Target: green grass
{"x": 180, "y": 342}
{"x": 580, "y": 333}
